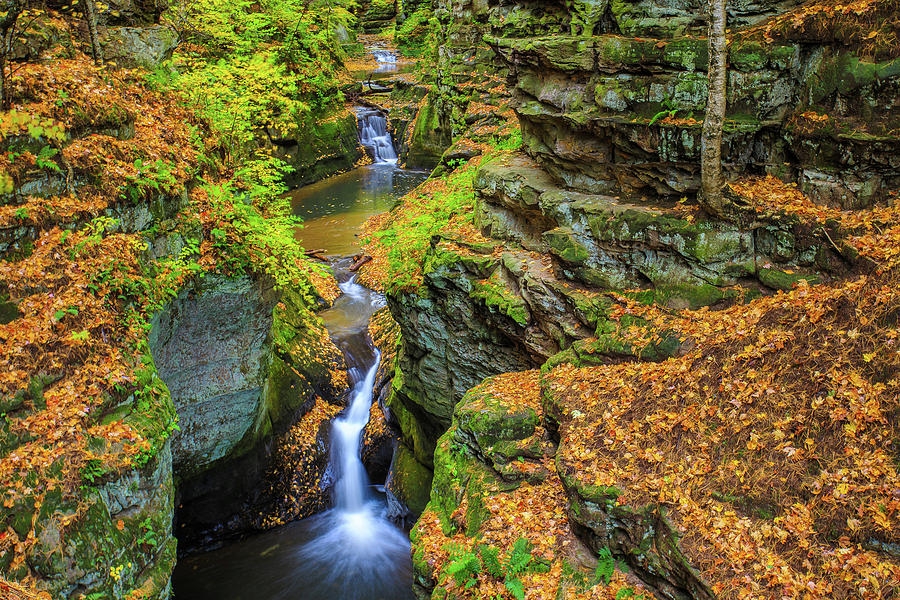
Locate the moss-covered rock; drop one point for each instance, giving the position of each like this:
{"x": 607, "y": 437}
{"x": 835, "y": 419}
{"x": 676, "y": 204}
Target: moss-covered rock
{"x": 318, "y": 147}
{"x": 431, "y": 134}
{"x": 408, "y": 484}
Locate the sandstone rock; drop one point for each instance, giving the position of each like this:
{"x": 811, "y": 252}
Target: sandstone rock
{"x": 146, "y": 47}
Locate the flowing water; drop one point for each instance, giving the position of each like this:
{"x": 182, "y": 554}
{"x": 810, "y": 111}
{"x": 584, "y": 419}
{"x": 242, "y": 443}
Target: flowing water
{"x": 375, "y": 136}
{"x": 350, "y": 552}
{"x": 333, "y": 210}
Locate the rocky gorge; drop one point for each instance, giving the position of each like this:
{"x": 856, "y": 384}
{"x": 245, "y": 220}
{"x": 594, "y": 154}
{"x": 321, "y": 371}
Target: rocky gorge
{"x": 588, "y": 387}
{"x": 582, "y": 225}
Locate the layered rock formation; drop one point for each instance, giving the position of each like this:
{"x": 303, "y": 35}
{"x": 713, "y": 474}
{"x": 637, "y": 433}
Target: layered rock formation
{"x": 611, "y": 130}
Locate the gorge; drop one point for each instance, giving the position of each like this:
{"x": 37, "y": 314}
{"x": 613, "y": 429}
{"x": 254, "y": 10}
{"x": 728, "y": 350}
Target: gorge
{"x": 507, "y": 353}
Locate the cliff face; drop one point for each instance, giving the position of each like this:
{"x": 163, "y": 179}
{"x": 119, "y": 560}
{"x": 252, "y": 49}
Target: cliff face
{"x": 587, "y": 219}
{"x": 588, "y": 78}
{"x": 610, "y": 125}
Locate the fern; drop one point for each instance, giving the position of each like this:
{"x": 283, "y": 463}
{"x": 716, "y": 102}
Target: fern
{"x": 490, "y": 558}
{"x": 464, "y": 568}
{"x": 606, "y": 566}
{"x": 519, "y": 557}
{"x": 515, "y": 588}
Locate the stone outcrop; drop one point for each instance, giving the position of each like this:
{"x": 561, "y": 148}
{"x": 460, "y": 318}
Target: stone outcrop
{"x": 593, "y": 113}
{"x": 146, "y": 47}
{"x": 211, "y": 347}
{"x": 610, "y": 98}
{"x": 241, "y": 372}
{"x": 483, "y": 311}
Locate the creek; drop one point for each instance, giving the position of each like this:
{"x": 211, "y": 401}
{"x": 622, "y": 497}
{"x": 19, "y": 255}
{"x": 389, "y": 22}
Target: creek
{"x": 351, "y": 551}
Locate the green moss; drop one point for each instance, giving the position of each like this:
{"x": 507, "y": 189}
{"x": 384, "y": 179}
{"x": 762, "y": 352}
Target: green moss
{"x": 410, "y": 480}
{"x": 430, "y": 137}
{"x": 498, "y": 296}
{"x": 563, "y": 243}
{"x": 779, "y": 280}
{"x": 693, "y": 296}
{"x": 325, "y": 146}
{"x": 845, "y": 73}
{"x": 153, "y": 413}
{"x": 491, "y": 420}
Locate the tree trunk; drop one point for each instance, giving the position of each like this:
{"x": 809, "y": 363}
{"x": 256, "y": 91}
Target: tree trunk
{"x": 11, "y": 10}
{"x": 712, "y": 197}
{"x": 90, "y": 10}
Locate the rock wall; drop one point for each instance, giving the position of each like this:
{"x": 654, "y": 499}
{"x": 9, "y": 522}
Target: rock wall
{"x": 241, "y": 372}
{"x": 593, "y": 113}
{"x": 211, "y": 347}
{"x": 611, "y": 129}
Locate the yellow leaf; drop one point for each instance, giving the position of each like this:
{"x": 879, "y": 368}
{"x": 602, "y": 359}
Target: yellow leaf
{"x": 868, "y": 357}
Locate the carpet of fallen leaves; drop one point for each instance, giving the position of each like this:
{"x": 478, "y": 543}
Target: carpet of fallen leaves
{"x": 537, "y": 510}
{"x": 299, "y": 461}
{"x": 70, "y": 359}
{"x": 772, "y": 443}
{"x": 871, "y": 26}
{"x": 99, "y": 108}
{"x": 874, "y": 233}
{"x": 14, "y": 591}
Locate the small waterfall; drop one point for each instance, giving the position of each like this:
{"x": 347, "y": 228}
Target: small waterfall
{"x": 375, "y": 137}
{"x": 387, "y": 61}
{"x": 359, "y": 553}
{"x": 351, "y": 489}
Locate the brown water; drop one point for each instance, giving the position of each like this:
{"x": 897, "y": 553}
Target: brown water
{"x": 333, "y": 210}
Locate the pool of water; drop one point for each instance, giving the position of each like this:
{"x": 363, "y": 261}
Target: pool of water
{"x": 333, "y": 210}
{"x": 331, "y": 556}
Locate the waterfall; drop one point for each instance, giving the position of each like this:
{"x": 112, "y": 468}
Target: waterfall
{"x": 359, "y": 553}
{"x": 375, "y": 136}
{"x": 387, "y": 61}
{"x": 350, "y": 491}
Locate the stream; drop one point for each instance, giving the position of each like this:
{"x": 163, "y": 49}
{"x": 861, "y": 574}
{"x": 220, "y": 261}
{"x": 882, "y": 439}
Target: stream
{"x": 351, "y": 551}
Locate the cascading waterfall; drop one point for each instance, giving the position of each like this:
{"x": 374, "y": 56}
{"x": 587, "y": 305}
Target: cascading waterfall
{"x": 375, "y": 136}
{"x": 352, "y": 551}
{"x": 356, "y": 544}
{"x": 387, "y": 61}
{"x": 350, "y": 491}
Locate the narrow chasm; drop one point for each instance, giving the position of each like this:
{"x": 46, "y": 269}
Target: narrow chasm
{"x": 354, "y": 546}
{"x": 449, "y": 300}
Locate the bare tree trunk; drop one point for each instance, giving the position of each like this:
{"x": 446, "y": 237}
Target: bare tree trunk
{"x": 11, "y": 10}
{"x": 713, "y": 181}
{"x": 90, "y": 10}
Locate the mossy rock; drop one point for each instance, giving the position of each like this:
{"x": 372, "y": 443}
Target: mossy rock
{"x": 409, "y": 480}
{"x": 564, "y": 244}
{"x": 780, "y": 280}
{"x": 490, "y": 420}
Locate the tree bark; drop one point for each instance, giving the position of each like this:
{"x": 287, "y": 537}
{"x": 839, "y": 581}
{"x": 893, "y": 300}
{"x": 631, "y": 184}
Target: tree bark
{"x": 90, "y": 11}
{"x": 712, "y": 197}
{"x": 11, "y": 10}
